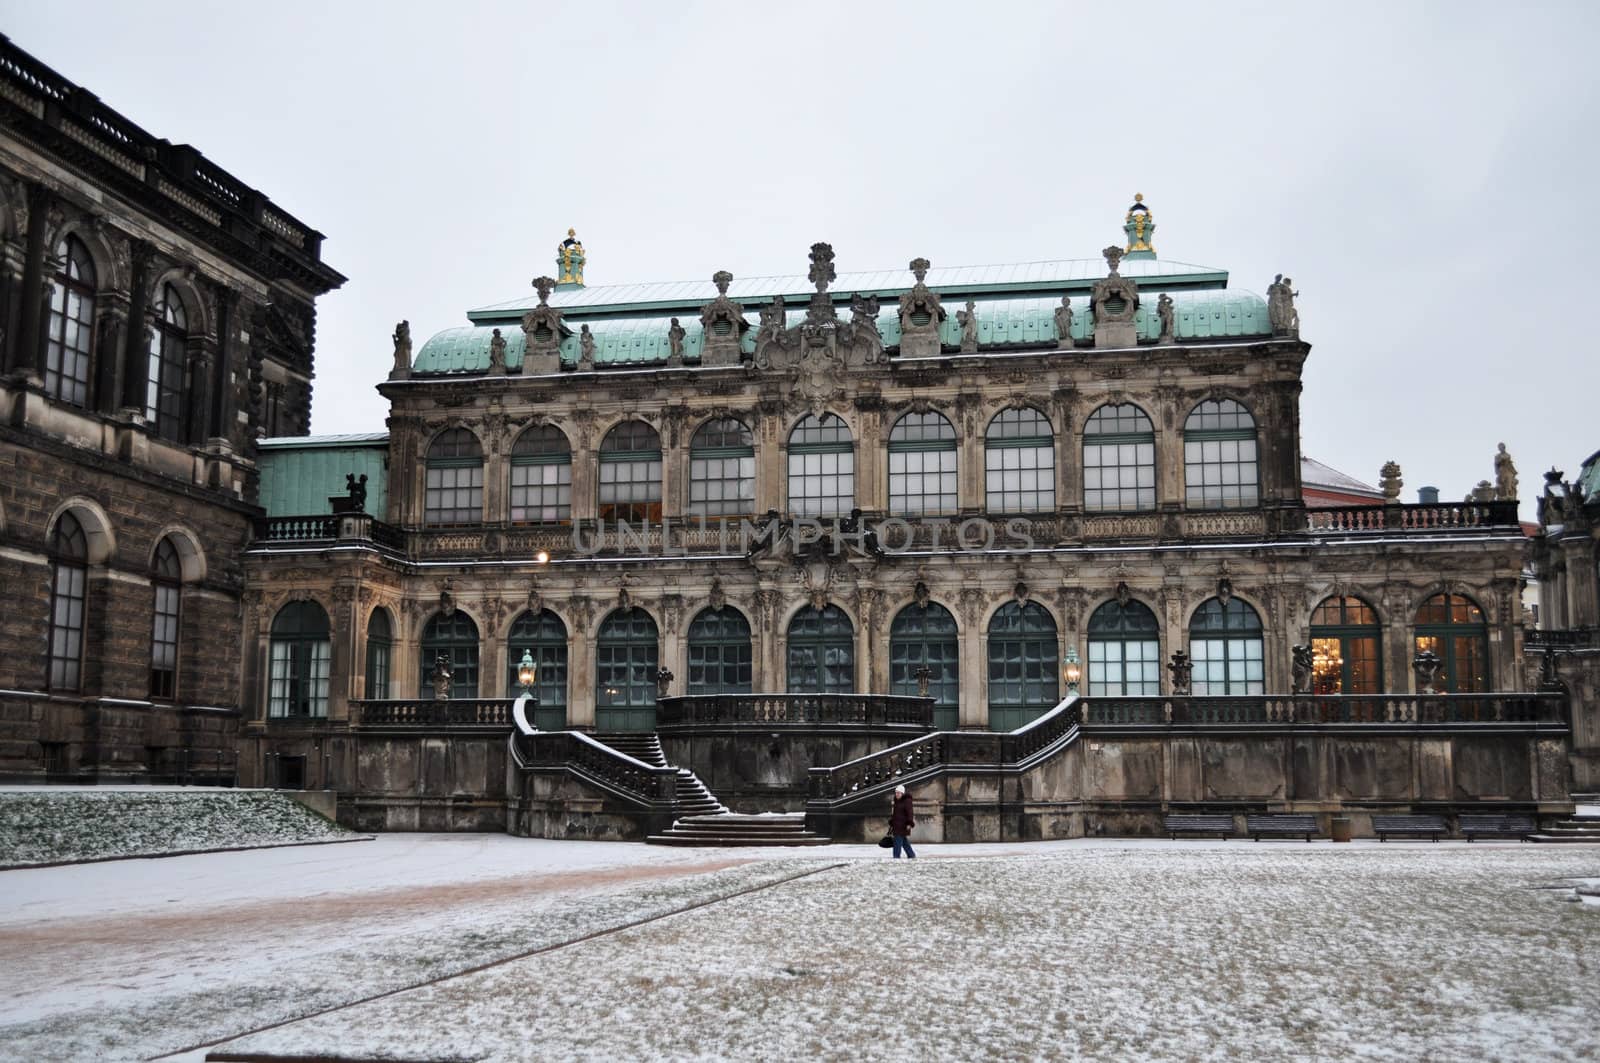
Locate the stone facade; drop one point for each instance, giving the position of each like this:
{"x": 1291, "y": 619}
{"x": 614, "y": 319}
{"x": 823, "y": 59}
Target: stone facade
{"x": 156, "y": 318}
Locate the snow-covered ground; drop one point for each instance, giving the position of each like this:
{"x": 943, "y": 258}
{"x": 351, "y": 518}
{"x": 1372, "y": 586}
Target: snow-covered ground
{"x": 1099, "y": 949}
{"x": 40, "y": 825}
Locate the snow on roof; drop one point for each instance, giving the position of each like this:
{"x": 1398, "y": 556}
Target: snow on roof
{"x": 1315, "y": 473}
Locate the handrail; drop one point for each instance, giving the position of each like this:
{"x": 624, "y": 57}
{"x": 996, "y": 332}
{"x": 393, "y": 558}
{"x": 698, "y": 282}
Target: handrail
{"x": 1577, "y": 638}
{"x": 1314, "y": 709}
{"x": 494, "y": 713}
{"x": 643, "y": 783}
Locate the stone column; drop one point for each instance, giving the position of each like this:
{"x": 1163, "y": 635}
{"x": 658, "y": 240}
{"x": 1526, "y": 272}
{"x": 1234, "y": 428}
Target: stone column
{"x": 496, "y": 484}
{"x": 347, "y": 639}
{"x": 111, "y": 336}
{"x": 136, "y": 353}
{"x": 1582, "y": 605}
{"x": 1169, "y": 460}
{"x": 1174, "y": 636}
{"x": 200, "y": 352}
{"x": 970, "y": 477}
{"x": 580, "y": 668}
{"x": 222, "y": 376}
{"x": 29, "y": 347}
{"x": 872, "y": 492}
{"x": 973, "y": 665}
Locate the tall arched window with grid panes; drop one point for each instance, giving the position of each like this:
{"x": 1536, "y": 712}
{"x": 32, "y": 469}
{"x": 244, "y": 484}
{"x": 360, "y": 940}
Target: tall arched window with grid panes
{"x": 1346, "y": 648}
{"x": 380, "y": 654}
{"x": 166, "y": 581}
{"x": 922, "y": 465}
{"x": 1024, "y": 656}
{"x": 299, "y": 656}
{"x": 822, "y": 655}
{"x": 721, "y": 658}
{"x": 627, "y": 650}
{"x": 1124, "y": 651}
{"x": 1119, "y": 460}
{"x": 169, "y": 340}
{"x": 1020, "y": 462}
{"x": 822, "y": 467}
{"x": 1451, "y": 626}
{"x": 69, "y": 342}
{"x": 453, "y": 489}
{"x": 924, "y": 637}
{"x": 454, "y": 638}
{"x": 1226, "y": 646}
{"x": 541, "y": 476}
{"x": 69, "y": 578}
{"x": 722, "y": 469}
{"x": 1219, "y": 456}
{"x": 543, "y": 637}
{"x": 630, "y": 474}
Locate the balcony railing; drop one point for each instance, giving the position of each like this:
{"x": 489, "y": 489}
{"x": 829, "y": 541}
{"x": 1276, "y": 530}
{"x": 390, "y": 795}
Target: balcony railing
{"x": 492, "y": 714}
{"x": 1577, "y": 638}
{"x": 768, "y": 710}
{"x": 1412, "y": 517}
{"x": 644, "y": 783}
{"x": 1326, "y": 709}
{"x": 328, "y": 527}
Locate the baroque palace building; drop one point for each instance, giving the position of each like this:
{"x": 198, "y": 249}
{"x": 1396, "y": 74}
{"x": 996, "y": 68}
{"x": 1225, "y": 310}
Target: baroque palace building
{"x": 950, "y": 480}
{"x": 156, "y": 317}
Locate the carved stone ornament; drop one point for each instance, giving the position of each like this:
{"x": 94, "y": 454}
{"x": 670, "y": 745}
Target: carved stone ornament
{"x": 715, "y": 596}
{"x": 1114, "y": 301}
{"x": 441, "y": 675}
{"x": 535, "y": 598}
{"x": 1505, "y": 476}
{"x": 1224, "y": 589}
{"x": 675, "y": 337}
{"x": 1124, "y": 595}
{"x": 722, "y": 325}
{"x": 822, "y": 273}
{"x": 921, "y": 594}
{"x": 866, "y": 342}
{"x": 1426, "y": 665}
{"x": 1182, "y": 670}
{"x": 542, "y": 332}
{"x": 772, "y": 338}
{"x": 585, "y": 348}
{"x": 1302, "y": 664}
{"x": 1167, "y": 315}
{"x": 447, "y": 597}
{"x": 402, "y": 351}
{"x": 1389, "y": 480}
{"x": 1019, "y": 592}
{"x": 920, "y": 316}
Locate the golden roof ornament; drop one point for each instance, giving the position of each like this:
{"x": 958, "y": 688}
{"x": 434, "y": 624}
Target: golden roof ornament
{"x": 1139, "y": 227}
{"x": 569, "y": 260}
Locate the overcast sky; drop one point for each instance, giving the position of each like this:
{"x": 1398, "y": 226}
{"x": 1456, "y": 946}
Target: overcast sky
{"x": 1423, "y": 171}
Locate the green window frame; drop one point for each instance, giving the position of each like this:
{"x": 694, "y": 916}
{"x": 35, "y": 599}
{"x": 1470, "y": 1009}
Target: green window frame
{"x": 544, "y": 636}
{"x": 626, "y": 656}
{"x": 1124, "y": 651}
{"x": 1024, "y": 655}
{"x": 1220, "y": 466}
{"x": 1346, "y": 647}
{"x": 299, "y": 657}
{"x": 1019, "y": 462}
{"x": 1226, "y": 646}
{"x": 380, "y": 654}
{"x": 721, "y": 656}
{"x": 922, "y": 465}
{"x": 456, "y": 638}
{"x": 453, "y": 488}
{"x": 541, "y": 476}
{"x": 821, "y": 652}
{"x": 926, "y": 636}
{"x": 1119, "y": 460}
{"x": 722, "y": 469}
{"x": 822, "y": 467}
{"x": 1453, "y": 627}
{"x": 630, "y": 474}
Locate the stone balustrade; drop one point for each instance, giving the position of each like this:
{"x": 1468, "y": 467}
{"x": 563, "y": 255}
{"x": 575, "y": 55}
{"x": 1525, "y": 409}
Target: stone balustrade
{"x": 454, "y": 714}
{"x": 762, "y": 711}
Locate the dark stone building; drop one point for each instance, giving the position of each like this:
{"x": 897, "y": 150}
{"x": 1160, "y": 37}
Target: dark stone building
{"x": 157, "y": 316}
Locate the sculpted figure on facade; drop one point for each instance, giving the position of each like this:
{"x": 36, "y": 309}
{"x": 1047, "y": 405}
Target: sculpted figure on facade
{"x": 1505, "y": 475}
{"x": 1064, "y": 321}
{"x": 968, "y": 320}
{"x": 722, "y": 325}
{"x": 402, "y": 351}
{"x": 920, "y": 315}
{"x": 542, "y": 332}
{"x": 1165, "y": 312}
{"x": 772, "y": 334}
{"x": 497, "y": 354}
{"x": 1303, "y": 661}
{"x": 585, "y": 348}
{"x": 675, "y": 336}
{"x": 1281, "y": 312}
{"x": 866, "y": 342}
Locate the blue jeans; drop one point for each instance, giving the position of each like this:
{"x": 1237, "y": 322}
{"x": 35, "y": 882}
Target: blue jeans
{"x": 901, "y": 841}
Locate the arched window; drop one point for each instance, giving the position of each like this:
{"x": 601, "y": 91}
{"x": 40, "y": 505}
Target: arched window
{"x": 1023, "y": 658}
{"x": 543, "y": 635}
{"x": 1124, "y": 651}
{"x": 1225, "y": 645}
{"x": 630, "y": 474}
{"x": 720, "y": 654}
{"x": 822, "y": 467}
{"x": 1019, "y": 457}
{"x": 300, "y": 652}
{"x": 922, "y": 465}
{"x": 166, "y": 578}
{"x": 1345, "y": 641}
{"x": 163, "y": 396}
{"x": 71, "y": 336}
{"x": 453, "y": 491}
{"x": 722, "y": 469}
{"x": 822, "y": 654}
{"x": 69, "y": 577}
{"x": 1119, "y": 460}
{"x": 625, "y": 666}
{"x": 380, "y": 654}
{"x": 925, "y": 637}
{"x": 455, "y": 638}
{"x": 1219, "y": 456}
{"x": 1453, "y": 628}
{"x": 541, "y": 476}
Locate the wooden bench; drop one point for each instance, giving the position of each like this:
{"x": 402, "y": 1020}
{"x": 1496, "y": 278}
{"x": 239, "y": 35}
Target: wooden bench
{"x": 1191, "y": 823}
{"x": 1497, "y": 826}
{"x": 1409, "y": 827}
{"x": 1280, "y": 826}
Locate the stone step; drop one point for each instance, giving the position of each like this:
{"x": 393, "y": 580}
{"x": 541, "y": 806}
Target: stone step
{"x": 735, "y": 840}
{"x": 732, "y": 828}
{"x": 1565, "y": 839}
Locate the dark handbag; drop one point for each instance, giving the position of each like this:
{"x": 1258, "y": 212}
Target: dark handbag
{"x": 886, "y": 842}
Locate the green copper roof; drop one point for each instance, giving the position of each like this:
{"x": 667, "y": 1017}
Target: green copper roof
{"x": 1071, "y": 275}
{"x": 1002, "y": 322}
{"x": 299, "y": 473}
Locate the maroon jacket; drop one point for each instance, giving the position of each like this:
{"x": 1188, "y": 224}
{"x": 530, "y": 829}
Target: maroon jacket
{"x": 901, "y": 820}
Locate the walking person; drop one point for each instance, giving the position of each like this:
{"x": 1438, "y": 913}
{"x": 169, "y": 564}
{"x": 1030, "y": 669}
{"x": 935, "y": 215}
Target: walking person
{"x": 900, "y": 823}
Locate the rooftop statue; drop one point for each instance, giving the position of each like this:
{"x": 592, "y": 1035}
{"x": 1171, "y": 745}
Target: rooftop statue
{"x": 402, "y": 347}
{"x": 585, "y": 348}
{"x": 675, "y": 336}
{"x": 570, "y": 259}
{"x": 1281, "y": 312}
{"x": 1165, "y": 312}
{"x": 968, "y": 320}
{"x": 1505, "y": 475}
{"x": 497, "y": 353}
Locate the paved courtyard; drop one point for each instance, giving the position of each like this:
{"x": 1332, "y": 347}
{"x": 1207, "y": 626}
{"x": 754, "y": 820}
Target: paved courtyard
{"x": 431, "y": 947}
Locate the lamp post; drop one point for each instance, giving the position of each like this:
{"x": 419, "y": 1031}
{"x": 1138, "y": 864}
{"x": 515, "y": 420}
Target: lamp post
{"x": 526, "y": 674}
{"x": 1070, "y": 670}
